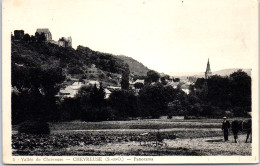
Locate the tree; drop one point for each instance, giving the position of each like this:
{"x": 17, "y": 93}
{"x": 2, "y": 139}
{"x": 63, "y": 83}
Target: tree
{"x": 163, "y": 80}
{"x": 92, "y": 103}
{"x": 133, "y": 105}
{"x": 196, "y": 110}
{"x": 26, "y": 37}
{"x": 70, "y": 109}
{"x": 176, "y": 80}
{"x": 37, "y": 36}
{"x": 40, "y": 37}
{"x": 33, "y": 39}
{"x": 138, "y": 85}
{"x": 240, "y": 89}
{"x": 152, "y": 101}
{"x": 118, "y": 100}
{"x": 125, "y": 78}
{"x": 151, "y": 76}
{"x": 101, "y": 94}
{"x": 201, "y": 86}
{"x": 219, "y": 91}
{"x": 36, "y": 88}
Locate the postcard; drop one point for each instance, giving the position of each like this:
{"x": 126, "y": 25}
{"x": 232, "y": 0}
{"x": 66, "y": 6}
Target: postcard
{"x": 130, "y": 82}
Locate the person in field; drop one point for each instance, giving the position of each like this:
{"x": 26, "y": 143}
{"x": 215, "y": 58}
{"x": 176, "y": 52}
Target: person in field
{"x": 225, "y": 128}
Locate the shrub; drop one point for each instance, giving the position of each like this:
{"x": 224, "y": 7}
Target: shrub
{"x": 240, "y": 111}
{"x": 34, "y": 127}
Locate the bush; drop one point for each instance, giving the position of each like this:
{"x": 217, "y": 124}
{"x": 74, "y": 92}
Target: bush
{"x": 241, "y": 111}
{"x": 34, "y": 127}
{"x": 96, "y": 114}
{"x": 192, "y": 117}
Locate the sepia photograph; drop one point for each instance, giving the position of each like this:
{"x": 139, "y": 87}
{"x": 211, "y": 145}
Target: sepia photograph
{"x": 130, "y": 81}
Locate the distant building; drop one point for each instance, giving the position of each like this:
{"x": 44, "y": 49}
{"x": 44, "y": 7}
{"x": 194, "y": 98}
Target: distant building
{"x": 91, "y": 83}
{"x": 187, "y": 91}
{"x": 131, "y": 84}
{"x": 113, "y": 88}
{"x": 53, "y": 42}
{"x": 107, "y": 93}
{"x": 208, "y": 72}
{"x": 139, "y": 81}
{"x": 173, "y": 84}
{"x": 18, "y": 34}
{"x": 70, "y": 91}
{"x": 65, "y": 42}
{"x": 46, "y": 32}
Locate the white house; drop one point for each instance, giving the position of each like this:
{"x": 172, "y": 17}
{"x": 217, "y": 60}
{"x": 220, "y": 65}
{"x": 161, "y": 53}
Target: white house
{"x": 71, "y": 90}
{"x": 92, "y": 83}
{"x": 114, "y": 88}
{"x": 107, "y": 93}
{"x": 139, "y": 81}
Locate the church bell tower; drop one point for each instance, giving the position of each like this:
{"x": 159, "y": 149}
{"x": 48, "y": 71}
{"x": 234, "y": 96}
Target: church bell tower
{"x": 208, "y": 72}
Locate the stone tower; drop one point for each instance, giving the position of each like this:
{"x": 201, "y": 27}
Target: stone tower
{"x": 208, "y": 72}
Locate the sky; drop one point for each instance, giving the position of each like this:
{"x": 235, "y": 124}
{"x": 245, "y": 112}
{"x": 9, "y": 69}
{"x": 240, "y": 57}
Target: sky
{"x": 165, "y": 35}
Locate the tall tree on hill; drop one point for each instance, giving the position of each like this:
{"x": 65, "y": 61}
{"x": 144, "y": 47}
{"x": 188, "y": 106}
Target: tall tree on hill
{"x": 101, "y": 95}
{"x": 125, "y": 78}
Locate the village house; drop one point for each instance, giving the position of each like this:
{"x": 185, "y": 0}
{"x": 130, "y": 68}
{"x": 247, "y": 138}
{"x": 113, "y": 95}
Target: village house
{"x": 70, "y": 91}
{"x": 131, "y": 85}
{"x": 107, "y": 93}
{"x": 91, "y": 83}
{"x": 113, "y": 88}
{"x": 139, "y": 81}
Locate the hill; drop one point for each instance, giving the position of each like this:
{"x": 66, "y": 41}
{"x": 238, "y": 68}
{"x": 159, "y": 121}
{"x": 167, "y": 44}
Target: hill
{"x": 135, "y": 67}
{"x": 77, "y": 64}
{"x": 223, "y": 72}
{"x": 227, "y": 72}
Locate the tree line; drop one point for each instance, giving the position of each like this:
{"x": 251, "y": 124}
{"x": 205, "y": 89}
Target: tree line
{"x": 34, "y": 98}
{"x": 217, "y": 96}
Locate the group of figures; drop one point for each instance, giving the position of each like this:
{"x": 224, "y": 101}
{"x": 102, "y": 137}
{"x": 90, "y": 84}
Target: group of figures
{"x": 236, "y": 126}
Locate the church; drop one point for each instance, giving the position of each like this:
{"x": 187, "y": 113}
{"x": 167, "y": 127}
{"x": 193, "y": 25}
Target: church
{"x": 208, "y": 72}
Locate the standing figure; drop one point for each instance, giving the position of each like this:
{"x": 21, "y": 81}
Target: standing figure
{"x": 225, "y": 127}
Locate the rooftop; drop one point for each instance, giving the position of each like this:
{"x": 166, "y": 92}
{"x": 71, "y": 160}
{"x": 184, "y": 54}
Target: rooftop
{"x": 43, "y": 30}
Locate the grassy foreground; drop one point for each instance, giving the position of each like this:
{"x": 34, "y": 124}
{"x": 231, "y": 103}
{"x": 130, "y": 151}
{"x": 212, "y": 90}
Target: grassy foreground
{"x": 182, "y": 137}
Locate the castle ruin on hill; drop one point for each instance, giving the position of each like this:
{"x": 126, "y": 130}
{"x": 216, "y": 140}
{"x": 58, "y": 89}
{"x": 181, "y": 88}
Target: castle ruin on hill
{"x": 46, "y": 33}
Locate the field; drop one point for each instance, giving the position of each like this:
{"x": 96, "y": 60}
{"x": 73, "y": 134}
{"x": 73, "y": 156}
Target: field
{"x": 136, "y": 137}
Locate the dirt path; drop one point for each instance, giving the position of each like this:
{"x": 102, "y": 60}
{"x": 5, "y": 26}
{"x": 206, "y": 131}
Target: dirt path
{"x": 209, "y": 146}
{"x": 214, "y": 145}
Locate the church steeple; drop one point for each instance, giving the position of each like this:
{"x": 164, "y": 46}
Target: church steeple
{"x": 208, "y": 72}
